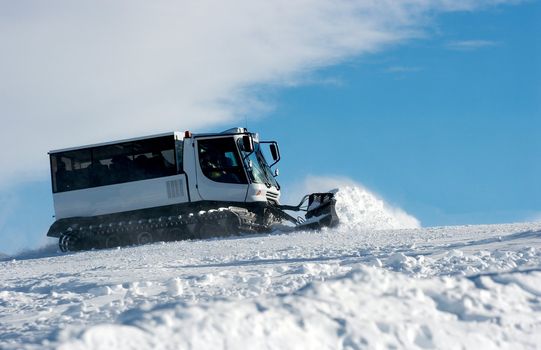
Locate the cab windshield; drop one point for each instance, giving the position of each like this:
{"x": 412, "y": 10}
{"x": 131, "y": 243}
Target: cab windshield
{"x": 258, "y": 169}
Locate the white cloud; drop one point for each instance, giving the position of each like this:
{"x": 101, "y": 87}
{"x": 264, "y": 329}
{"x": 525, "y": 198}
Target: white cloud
{"x": 87, "y": 71}
{"x": 470, "y": 45}
{"x": 402, "y": 69}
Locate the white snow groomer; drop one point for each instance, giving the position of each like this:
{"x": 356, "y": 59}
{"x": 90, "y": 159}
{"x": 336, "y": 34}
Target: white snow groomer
{"x": 170, "y": 187}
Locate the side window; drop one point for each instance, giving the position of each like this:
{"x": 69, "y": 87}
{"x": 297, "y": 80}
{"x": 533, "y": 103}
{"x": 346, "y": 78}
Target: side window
{"x": 112, "y": 164}
{"x": 71, "y": 170}
{"x": 231, "y": 159}
{"x": 220, "y": 161}
{"x": 154, "y": 158}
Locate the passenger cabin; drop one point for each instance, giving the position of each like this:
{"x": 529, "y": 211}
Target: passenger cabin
{"x": 109, "y": 164}
{"x": 118, "y": 176}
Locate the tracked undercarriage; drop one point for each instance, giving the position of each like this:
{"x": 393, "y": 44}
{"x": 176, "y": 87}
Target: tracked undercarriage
{"x": 204, "y": 224}
{"x": 126, "y": 229}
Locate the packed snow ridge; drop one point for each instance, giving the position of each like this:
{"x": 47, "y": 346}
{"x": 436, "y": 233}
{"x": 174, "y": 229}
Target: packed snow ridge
{"x": 371, "y": 283}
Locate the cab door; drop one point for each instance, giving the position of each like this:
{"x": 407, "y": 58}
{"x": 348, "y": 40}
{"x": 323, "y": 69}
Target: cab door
{"x": 220, "y": 175}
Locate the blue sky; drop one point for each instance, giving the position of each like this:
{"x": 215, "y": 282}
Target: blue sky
{"x": 442, "y": 123}
{"x": 451, "y": 135}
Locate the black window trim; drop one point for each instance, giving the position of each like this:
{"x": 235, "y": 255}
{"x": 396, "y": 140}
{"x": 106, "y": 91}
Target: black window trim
{"x": 54, "y": 182}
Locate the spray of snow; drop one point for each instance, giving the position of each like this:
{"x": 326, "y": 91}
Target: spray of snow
{"x": 359, "y": 208}
{"x": 48, "y": 248}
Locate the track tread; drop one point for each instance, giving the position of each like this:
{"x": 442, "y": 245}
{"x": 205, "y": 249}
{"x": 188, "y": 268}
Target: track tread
{"x": 224, "y": 221}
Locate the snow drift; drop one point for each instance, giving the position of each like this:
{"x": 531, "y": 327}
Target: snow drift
{"x": 367, "y": 308}
{"x": 443, "y": 287}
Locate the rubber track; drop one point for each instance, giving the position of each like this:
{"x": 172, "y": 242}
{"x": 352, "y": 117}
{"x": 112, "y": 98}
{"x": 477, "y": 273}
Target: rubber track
{"x": 190, "y": 226}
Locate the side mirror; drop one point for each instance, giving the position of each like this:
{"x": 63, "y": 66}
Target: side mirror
{"x": 276, "y": 172}
{"x": 274, "y": 151}
{"x": 247, "y": 143}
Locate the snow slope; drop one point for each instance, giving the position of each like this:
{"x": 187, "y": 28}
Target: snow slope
{"x": 366, "y": 284}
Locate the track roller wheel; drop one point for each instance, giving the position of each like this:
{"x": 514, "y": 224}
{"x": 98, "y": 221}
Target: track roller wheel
{"x": 67, "y": 242}
{"x": 113, "y": 241}
{"x": 144, "y": 238}
{"x": 63, "y": 242}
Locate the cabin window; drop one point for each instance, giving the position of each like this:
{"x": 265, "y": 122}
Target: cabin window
{"x": 114, "y": 164}
{"x": 71, "y": 170}
{"x": 220, "y": 160}
{"x": 154, "y": 158}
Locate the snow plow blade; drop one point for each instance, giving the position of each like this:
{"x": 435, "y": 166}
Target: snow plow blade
{"x": 320, "y": 211}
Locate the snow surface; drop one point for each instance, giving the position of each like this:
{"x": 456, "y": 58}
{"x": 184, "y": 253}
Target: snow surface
{"x": 366, "y": 284}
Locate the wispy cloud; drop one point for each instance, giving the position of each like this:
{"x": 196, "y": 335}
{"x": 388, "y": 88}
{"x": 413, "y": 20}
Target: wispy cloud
{"x": 535, "y": 218}
{"x": 402, "y": 69}
{"x": 80, "y": 72}
{"x": 470, "y": 45}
